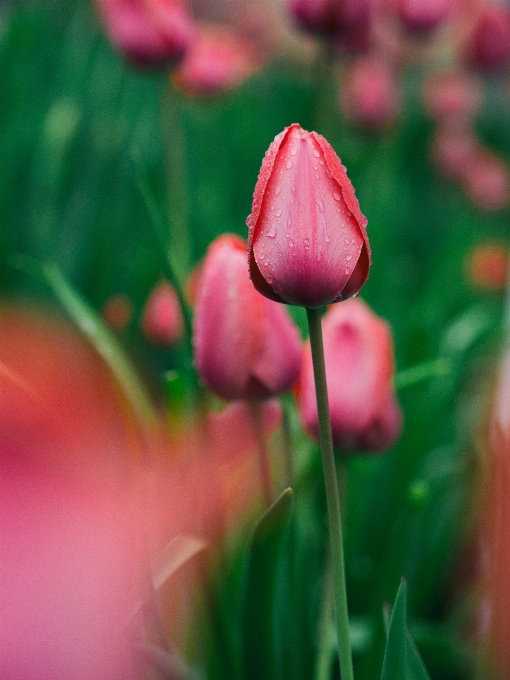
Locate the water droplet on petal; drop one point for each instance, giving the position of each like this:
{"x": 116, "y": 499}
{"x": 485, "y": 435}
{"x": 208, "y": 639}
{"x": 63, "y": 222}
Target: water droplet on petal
{"x": 346, "y": 270}
{"x": 347, "y": 241}
{"x": 320, "y": 204}
{"x": 278, "y": 213}
{"x": 272, "y": 231}
{"x": 306, "y": 243}
{"x": 316, "y": 153}
{"x": 291, "y": 243}
{"x": 336, "y": 196}
{"x": 293, "y": 151}
{"x": 288, "y": 165}
{"x": 348, "y": 257}
{"x": 277, "y": 192}
{"x": 316, "y": 176}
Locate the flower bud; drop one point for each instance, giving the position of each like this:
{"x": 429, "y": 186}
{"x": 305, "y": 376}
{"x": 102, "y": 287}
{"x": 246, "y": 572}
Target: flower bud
{"x": 217, "y": 61}
{"x": 358, "y": 354}
{"x": 307, "y": 237}
{"x": 246, "y": 347}
{"x": 487, "y": 266}
{"x": 422, "y": 16}
{"x": 489, "y": 45}
{"x": 486, "y": 180}
{"x": 147, "y": 32}
{"x": 369, "y": 96}
{"x": 162, "y": 321}
{"x": 330, "y": 17}
{"x": 452, "y": 98}
{"x": 453, "y": 150}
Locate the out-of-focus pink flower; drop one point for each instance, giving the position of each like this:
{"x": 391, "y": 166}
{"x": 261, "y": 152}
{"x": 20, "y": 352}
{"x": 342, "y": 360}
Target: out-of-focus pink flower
{"x": 487, "y": 266}
{"x": 489, "y": 43}
{"x": 358, "y": 354}
{"x": 453, "y": 150}
{"x": 162, "y": 321}
{"x": 486, "y": 181}
{"x": 452, "y": 97}
{"x": 307, "y": 237}
{"x": 421, "y": 16}
{"x": 246, "y": 347}
{"x": 217, "y": 60}
{"x": 330, "y": 17}
{"x": 118, "y": 311}
{"x": 370, "y": 94}
{"x": 147, "y": 32}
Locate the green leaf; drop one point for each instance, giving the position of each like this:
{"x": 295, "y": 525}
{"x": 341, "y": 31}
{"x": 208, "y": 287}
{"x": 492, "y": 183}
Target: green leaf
{"x": 402, "y": 661}
{"x": 104, "y": 342}
{"x": 258, "y": 616}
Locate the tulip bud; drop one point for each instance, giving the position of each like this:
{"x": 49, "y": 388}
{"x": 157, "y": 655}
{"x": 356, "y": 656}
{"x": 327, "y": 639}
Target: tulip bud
{"x": 329, "y": 17}
{"x": 452, "y": 97}
{"x": 246, "y": 347}
{"x": 307, "y": 237}
{"x": 486, "y": 181}
{"x": 358, "y": 355}
{"x": 487, "y": 266}
{"x": 217, "y": 61}
{"x": 147, "y": 32}
{"x": 369, "y": 95}
{"x": 420, "y": 16}
{"x": 490, "y": 41}
{"x": 453, "y": 150}
{"x": 162, "y": 321}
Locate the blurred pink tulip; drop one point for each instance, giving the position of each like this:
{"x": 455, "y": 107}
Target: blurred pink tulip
{"x": 330, "y": 17}
{"x": 421, "y": 16}
{"x": 307, "y": 237}
{"x": 452, "y": 98}
{"x": 358, "y": 353}
{"x": 486, "y": 181}
{"x": 489, "y": 43}
{"x": 246, "y": 347}
{"x": 162, "y": 321}
{"x": 453, "y": 150}
{"x": 147, "y": 32}
{"x": 370, "y": 95}
{"x": 217, "y": 60}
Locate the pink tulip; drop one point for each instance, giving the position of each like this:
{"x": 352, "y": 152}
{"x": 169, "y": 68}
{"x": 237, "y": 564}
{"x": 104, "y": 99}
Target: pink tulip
{"x": 330, "y": 16}
{"x": 307, "y": 237}
{"x": 453, "y": 151}
{"x": 423, "y": 15}
{"x": 486, "y": 181}
{"x": 370, "y": 95}
{"x": 452, "y": 98}
{"x": 358, "y": 353}
{"x": 217, "y": 61}
{"x": 162, "y": 321}
{"x": 147, "y": 32}
{"x": 490, "y": 41}
{"x": 246, "y": 347}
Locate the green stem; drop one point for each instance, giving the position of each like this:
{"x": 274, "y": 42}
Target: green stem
{"x": 332, "y": 497}
{"x": 263, "y": 453}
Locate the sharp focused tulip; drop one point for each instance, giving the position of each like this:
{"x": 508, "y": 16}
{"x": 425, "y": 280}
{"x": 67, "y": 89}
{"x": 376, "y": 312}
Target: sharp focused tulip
{"x": 162, "y": 321}
{"x": 307, "y": 237}
{"x": 147, "y": 32}
{"x": 217, "y": 61}
{"x": 358, "y": 353}
{"x": 246, "y": 347}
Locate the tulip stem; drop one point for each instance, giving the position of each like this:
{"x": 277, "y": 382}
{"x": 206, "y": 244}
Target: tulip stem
{"x": 332, "y": 496}
{"x": 263, "y": 453}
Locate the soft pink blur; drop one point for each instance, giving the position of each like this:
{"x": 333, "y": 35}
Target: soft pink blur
{"x": 162, "y": 321}
{"x": 488, "y": 45}
{"x": 246, "y": 347}
{"x": 424, "y": 15}
{"x": 487, "y": 265}
{"x": 217, "y": 60}
{"x": 147, "y": 32}
{"x": 307, "y": 240}
{"x": 358, "y": 354}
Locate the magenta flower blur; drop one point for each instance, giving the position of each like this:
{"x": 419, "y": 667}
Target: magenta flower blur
{"x": 246, "y": 347}
{"x": 307, "y": 241}
{"x": 162, "y": 321}
{"x": 358, "y": 354}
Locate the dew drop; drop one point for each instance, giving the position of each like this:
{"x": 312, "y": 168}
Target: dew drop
{"x": 278, "y": 213}
{"x": 346, "y": 270}
{"x": 293, "y": 151}
{"x": 316, "y": 153}
{"x": 316, "y": 176}
{"x": 320, "y": 203}
{"x": 348, "y": 257}
{"x": 327, "y": 238}
{"x": 347, "y": 241}
{"x": 353, "y": 241}
{"x": 291, "y": 243}
{"x": 272, "y": 231}
{"x": 336, "y": 196}
{"x": 288, "y": 165}
{"x": 321, "y": 162}
{"x": 319, "y": 256}
{"x": 306, "y": 243}
{"x": 277, "y": 192}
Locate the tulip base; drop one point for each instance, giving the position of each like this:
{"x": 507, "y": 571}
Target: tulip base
{"x": 332, "y": 495}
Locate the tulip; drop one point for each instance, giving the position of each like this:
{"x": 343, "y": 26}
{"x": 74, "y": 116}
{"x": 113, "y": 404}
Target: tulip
{"x": 486, "y": 181}
{"x": 162, "y": 321}
{"x": 452, "y": 98}
{"x": 246, "y": 347}
{"x": 370, "y": 95}
{"x": 307, "y": 237}
{"x": 487, "y": 266}
{"x": 147, "y": 32}
{"x": 217, "y": 61}
{"x": 330, "y": 17}
{"x": 453, "y": 150}
{"x": 423, "y": 15}
{"x": 358, "y": 354}
{"x": 490, "y": 41}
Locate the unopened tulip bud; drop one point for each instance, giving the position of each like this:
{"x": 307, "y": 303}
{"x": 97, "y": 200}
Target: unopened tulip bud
{"x": 370, "y": 96}
{"x": 307, "y": 237}
{"x": 330, "y": 17}
{"x": 217, "y": 61}
{"x": 453, "y": 150}
{"x": 147, "y": 32}
{"x": 489, "y": 45}
{"x": 162, "y": 321}
{"x": 246, "y": 347}
{"x": 452, "y": 97}
{"x": 422, "y": 16}
{"x": 358, "y": 354}
{"x": 486, "y": 181}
